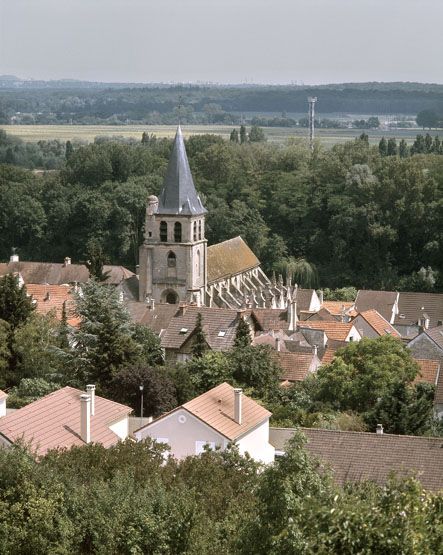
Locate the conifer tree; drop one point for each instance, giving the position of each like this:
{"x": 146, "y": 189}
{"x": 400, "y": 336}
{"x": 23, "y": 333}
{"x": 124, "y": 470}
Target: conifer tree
{"x": 392, "y": 147}
{"x": 243, "y": 135}
{"x": 234, "y": 136}
{"x": 15, "y": 305}
{"x": 242, "y": 334}
{"x": 63, "y": 333}
{"x": 199, "y": 345}
{"x": 68, "y": 150}
{"x": 383, "y": 147}
{"x": 403, "y": 149}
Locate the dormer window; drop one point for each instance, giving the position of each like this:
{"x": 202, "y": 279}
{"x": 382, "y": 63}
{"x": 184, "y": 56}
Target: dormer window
{"x": 163, "y": 232}
{"x": 172, "y": 260}
{"x": 178, "y": 232}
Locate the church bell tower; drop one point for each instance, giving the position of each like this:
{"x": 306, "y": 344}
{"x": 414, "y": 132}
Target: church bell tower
{"x": 173, "y": 261}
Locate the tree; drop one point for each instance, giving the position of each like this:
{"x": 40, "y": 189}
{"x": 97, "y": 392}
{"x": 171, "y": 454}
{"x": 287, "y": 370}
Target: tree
{"x": 233, "y": 137}
{"x": 392, "y": 147}
{"x": 199, "y": 343}
{"x": 418, "y": 146}
{"x": 300, "y": 270}
{"x": 68, "y": 150}
{"x": 243, "y": 135}
{"x": 255, "y": 367}
{"x": 383, "y": 147}
{"x": 209, "y": 370}
{"x": 257, "y": 135}
{"x": 15, "y": 305}
{"x": 242, "y": 334}
{"x": 158, "y": 389}
{"x": 151, "y": 352}
{"x": 373, "y": 123}
{"x": 96, "y": 260}
{"x": 427, "y": 118}
{"x": 104, "y": 341}
{"x": 403, "y": 149}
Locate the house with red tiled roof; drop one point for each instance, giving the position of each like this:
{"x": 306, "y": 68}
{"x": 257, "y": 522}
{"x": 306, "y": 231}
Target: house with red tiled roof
{"x": 221, "y": 416}
{"x": 65, "y": 418}
{"x": 296, "y": 366}
{"x": 371, "y": 324}
{"x": 340, "y": 331}
{"x": 54, "y": 299}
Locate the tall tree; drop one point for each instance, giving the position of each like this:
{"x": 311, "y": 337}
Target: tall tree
{"x": 199, "y": 343}
{"x": 392, "y": 147}
{"x": 242, "y": 334}
{"x": 383, "y": 147}
{"x": 233, "y": 137}
{"x": 257, "y": 135}
{"x": 243, "y": 135}
{"x": 427, "y": 118}
{"x": 403, "y": 149}
{"x": 15, "y": 305}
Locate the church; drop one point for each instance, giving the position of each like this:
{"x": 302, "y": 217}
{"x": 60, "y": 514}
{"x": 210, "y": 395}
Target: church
{"x": 175, "y": 263}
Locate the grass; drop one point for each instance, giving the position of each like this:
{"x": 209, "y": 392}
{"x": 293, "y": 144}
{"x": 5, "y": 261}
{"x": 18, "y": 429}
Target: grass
{"x": 87, "y": 133}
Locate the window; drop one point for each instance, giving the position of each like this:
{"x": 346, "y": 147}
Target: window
{"x": 183, "y": 331}
{"x": 200, "y": 446}
{"x": 171, "y": 297}
{"x": 200, "y": 229}
{"x": 172, "y": 260}
{"x": 163, "y": 231}
{"x": 194, "y": 227}
{"x": 199, "y": 268}
{"x": 221, "y": 333}
{"x": 178, "y": 232}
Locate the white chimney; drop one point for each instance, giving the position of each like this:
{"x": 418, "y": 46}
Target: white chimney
{"x": 238, "y": 392}
{"x": 14, "y": 258}
{"x": 90, "y": 390}
{"x": 292, "y": 316}
{"x": 67, "y": 261}
{"x": 3, "y": 404}
{"x": 315, "y": 350}
{"x": 277, "y": 344}
{"x": 379, "y": 429}
{"x": 321, "y": 296}
{"x": 85, "y": 418}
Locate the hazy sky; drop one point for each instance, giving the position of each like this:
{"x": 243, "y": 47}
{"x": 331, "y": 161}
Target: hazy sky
{"x": 273, "y": 41}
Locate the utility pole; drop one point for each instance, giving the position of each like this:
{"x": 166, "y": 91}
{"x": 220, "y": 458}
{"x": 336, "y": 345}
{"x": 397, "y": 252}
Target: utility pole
{"x": 311, "y": 101}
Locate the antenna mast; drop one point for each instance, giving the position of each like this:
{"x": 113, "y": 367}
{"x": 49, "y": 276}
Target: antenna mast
{"x": 311, "y": 101}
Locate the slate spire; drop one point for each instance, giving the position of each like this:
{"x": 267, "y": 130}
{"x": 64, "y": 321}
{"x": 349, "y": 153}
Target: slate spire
{"x": 179, "y": 195}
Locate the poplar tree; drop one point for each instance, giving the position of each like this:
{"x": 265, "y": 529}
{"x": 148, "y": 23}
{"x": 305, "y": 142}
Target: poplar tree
{"x": 233, "y": 137}
{"x": 15, "y": 305}
{"x": 243, "y": 135}
{"x": 392, "y": 147}
{"x": 403, "y": 149}
{"x": 242, "y": 334}
{"x": 199, "y": 345}
{"x": 383, "y": 147}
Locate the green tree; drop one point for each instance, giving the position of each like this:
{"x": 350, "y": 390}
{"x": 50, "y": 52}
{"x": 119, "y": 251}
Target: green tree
{"x": 15, "y": 305}
{"x": 403, "y": 149}
{"x": 233, "y": 137}
{"x": 392, "y": 149}
{"x": 256, "y": 134}
{"x": 300, "y": 270}
{"x": 427, "y": 118}
{"x": 243, "y": 135}
{"x": 383, "y": 147}
{"x": 96, "y": 260}
{"x": 242, "y": 334}
{"x": 255, "y": 367}
{"x": 199, "y": 343}
{"x": 151, "y": 352}
{"x": 373, "y": 122}
{"x": 69, "y": 149}
{"x": 209, "y": 370}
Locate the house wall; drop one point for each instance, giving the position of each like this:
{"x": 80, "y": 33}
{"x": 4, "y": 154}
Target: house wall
{"x": 423, "y": 347}
{"x": 121, "y": 428}
{"x": 182, "y": 430}
{"x": 256, "y": 443}
{"x": 364, "y": 329}
{"x": 353, "y": 335}
{"x": 3, "y": 407}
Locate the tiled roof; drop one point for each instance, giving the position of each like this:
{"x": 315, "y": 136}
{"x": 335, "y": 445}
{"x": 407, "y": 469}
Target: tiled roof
{"x": 357, "y": 456}
{"x": 54, "y": 421}
{"x": 52, "y": 298}
{"x": 271, "y": 339}
{"x": 334, "y": 330}
{"x": 271, "y": 318}
{"x": 413, "y": 306}
{"x": 328, "y": 355}
{"x": 428, "y": 371}
{"x": 156, "y": 319}
{"x": 295, "y": 366}
{"x": 230, "y": 258}
{"x": 382, "y": 301}
{"x": 337, "y": 308}
{"x": 378, "y": 323}
{"x": 436, "y": 334}
{"x": 219, "y": 326}
{"x": 58, "y": 274}
{"x": 216, "y": 408}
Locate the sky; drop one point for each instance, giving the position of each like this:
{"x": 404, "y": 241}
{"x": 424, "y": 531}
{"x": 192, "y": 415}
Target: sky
{"x": 223, "y": 41}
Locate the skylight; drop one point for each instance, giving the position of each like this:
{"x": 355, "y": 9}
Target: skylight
{"x": 184, "y": 330}
{"x": 221, "y": 333}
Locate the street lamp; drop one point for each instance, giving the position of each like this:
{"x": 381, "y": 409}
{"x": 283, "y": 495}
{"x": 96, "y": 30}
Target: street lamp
{"x": 141, "y": 387}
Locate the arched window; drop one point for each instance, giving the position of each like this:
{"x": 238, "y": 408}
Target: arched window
{"x": 178, "y": 232}
{"x": 200, "y": 229}
{"x": 172, "y": 260}
{"x": 194, "y": 227}
{"x": 163, "y": 231}
{"x": 171, "y": 297}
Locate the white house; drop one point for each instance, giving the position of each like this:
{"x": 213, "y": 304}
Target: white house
{"x": 221, "y": 416}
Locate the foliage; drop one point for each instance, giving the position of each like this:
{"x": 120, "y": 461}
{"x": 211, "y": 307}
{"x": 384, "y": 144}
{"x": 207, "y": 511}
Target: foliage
{"x": 15, "y": 305}
{"x": 427, "y": 118}
{"x": 209, "y": 370}
{"x": 29, "y": 390}
{"x": 242, "y": 334}
{"x": 345, "y": 294}
{"x": 255, "y": 367}
{"x": 199, "y": 343}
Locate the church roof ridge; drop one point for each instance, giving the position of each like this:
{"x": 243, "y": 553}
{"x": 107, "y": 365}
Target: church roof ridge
{"x": 179, "y": 195}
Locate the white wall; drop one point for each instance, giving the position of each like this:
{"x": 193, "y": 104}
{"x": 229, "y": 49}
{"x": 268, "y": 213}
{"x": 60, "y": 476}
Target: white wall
{"x": 3, "y": 407}
{"x": 120, "y": 428}
{"x": 256, "y": 443}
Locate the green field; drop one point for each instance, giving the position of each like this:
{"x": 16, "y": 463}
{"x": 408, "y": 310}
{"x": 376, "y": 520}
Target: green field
{"x": 87, "y": 133}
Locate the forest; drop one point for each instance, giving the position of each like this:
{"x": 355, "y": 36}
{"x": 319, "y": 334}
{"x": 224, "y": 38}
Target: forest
{"x": 157, "y": 104}
{"x": 355, "y": 215}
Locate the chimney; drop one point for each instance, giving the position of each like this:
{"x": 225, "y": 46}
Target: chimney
{"x": 277, "y": 344}
{"x": 3, "y": 405}
{"x": 238, "y": 392}
{"x": 67, "y": 261}
{"x": 182, "y": 308}
{"x": 14, "y": 258}
{"x": 320, "y": 296}
{"x": 315, "y": 350}
{"x": 379, "y": 429}
{"x": 292, "y": 315}
{"x": 137, "y": 269}
{"x": 90, "y": 390}
{"x": 85, "y": 417}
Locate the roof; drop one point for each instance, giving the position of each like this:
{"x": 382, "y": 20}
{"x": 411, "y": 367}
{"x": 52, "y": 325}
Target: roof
{"x": 436, "y": 334}
{"x": 356, "y": 456}
{"x": 179, "y": 195}
{"x": 219, "y": 326}
{"x": 229, "y": 258}
{"x": 428, "y": 371}
{"x": 378, "y": 323}
{"x": 334, "y": 330}
{"x": 157, "y": 318}
{"x": 216, "y": 409}
{"x": 331, "y": 350}
{"x": 295, "y": 366}
{"x": 413, "y": 306}
{"x": 382, "y": 301}
{"x": 54, "y": 421}
{"x": 337, "y": 308}
{"x": 54, "y": 273}
{"x": 271, "y": 318}
{"x": 52, "y": 298}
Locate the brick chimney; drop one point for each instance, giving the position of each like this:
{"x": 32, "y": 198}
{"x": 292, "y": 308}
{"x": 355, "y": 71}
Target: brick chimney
{"x": 182, "y": 307}
{"x": 238, "y": 394}
{"x": 85, "y": 418}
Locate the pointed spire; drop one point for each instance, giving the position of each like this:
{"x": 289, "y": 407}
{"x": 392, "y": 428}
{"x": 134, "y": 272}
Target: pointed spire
{"x": 179, "y": 195}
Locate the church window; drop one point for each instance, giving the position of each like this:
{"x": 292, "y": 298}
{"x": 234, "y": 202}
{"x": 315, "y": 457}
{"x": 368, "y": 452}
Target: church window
{"x": 163, "y": 231}
{"x": 172, "y": 260}
{"x": 194, "y": 227}
{"x": 178, "y": 232}
{"x": 200, "y": 229}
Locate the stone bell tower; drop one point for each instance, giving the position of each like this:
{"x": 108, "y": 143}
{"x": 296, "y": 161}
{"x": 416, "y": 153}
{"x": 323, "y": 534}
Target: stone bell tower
{"x": 173, "y": 256}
